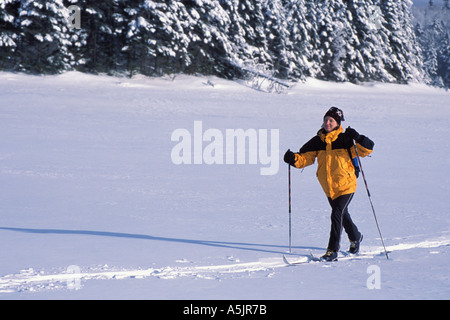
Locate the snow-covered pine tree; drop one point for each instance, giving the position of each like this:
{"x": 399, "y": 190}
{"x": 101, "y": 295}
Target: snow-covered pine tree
{"x": 405, "y": 61}
{"x": 119, "y": 20}
{"x": 9, "y": 33}
{"x": 428, "y": 40}
{"x": 344, "y": 40}
{"x": 322, "y": 27}
{"x": 336, "y": 40}
{"x": 43, "y": 42}
{"x": 437, "y": 59}
{"x": 300, "y": 33}
{"x": 252, "y": 24}
{"x": 432, "y": 30}
{"x": 94, "y": 21}
{"x": 147, "y": 44}
{"x": 327, "y": 39}
{"x": 155, "y": 43}
{"x": 413, "y": 53}
{"x": 211, "y": 50}
{"x": 445, "y": 59}
{"x": 77, "y": 36}
{"x": 180, "y": 34}
{"x": 277, "y": 35}
{"x": 372, "y": 46}
{"x": 314, "y": 56}
{"x": 105, "y": 26}
{"x": 246, "y": 33}
{"x": 136, "y": 31}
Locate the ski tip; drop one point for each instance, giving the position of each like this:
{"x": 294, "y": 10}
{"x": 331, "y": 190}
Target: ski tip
{"x": 313, "y": 257}
{"x": 300, "y": 260}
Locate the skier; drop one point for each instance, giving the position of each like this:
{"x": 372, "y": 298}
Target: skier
{"x": 337, "y": 173}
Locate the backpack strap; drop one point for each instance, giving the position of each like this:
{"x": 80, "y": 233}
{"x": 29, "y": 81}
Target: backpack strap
{"x": 355, "y": 162}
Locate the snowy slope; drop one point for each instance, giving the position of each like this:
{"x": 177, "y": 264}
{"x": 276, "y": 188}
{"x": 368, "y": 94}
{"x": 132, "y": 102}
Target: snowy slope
{"x": 92, "y": 205}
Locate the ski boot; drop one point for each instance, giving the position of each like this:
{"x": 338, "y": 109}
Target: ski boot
{"x": 330, "y": 255}
{"x": 354, "y": 245}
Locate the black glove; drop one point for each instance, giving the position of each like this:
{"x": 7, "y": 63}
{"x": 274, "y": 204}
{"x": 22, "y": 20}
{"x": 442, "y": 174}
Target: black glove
{"x": 352, "y": 133}
{"x": 289, "y": 157}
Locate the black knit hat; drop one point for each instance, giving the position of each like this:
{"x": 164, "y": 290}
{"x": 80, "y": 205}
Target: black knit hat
{"x": 336, "y": 113}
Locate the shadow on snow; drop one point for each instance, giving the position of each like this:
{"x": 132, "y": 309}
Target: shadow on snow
{"x": 268, "y": 248}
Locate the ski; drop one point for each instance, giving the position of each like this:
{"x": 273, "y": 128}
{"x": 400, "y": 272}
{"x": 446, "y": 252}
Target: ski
{"x": 310, "y": 258}
{"x": 346, "y": 256}
{"x": 342, "y": 257}
{"x": 314, "y": 258}
{"x": 300, "y": 260}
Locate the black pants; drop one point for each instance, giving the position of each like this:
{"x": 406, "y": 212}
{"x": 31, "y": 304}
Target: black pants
{"x": 341, "y": 218}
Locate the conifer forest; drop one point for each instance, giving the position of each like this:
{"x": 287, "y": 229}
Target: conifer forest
{"x": 334, "y": 40}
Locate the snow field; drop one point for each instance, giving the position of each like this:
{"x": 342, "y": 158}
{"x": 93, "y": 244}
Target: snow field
{"x": 89, "y": 185}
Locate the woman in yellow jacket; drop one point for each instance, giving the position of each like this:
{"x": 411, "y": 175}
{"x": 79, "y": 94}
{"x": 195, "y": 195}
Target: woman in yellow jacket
{"x": 337, "y": 173}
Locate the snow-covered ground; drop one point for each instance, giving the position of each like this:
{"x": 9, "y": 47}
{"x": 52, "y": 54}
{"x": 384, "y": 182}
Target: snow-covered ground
{"x": 93, "y": 206}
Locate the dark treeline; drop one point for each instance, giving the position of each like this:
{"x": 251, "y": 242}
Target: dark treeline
{"x": 338, "y": 40}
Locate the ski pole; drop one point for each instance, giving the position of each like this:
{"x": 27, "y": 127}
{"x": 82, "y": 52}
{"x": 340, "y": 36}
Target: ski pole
{"x": 370, "y": 199}
{"x": 290, "y": 226}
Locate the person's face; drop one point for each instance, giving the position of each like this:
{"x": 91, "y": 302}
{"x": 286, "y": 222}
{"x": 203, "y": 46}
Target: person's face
{"x": 329, "y": 124}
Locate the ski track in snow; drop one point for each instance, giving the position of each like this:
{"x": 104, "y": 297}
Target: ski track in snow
{"x": 30, "y": 280}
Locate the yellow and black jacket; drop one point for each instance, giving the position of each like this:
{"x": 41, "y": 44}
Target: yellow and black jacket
{"x": 335, "y": 170}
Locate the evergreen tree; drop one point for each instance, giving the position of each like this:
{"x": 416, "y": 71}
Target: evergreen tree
{"x": 246, "y": 32}
{"x": 433, "y": 35}
{"x": 372, "y": 46}
{"x": 211, "y": 51}
{"x": 327, "y": 39}
{"x": 336, "y": 40}
{"x": 43, "y": 45}
{"x": 77, "y": 37}
{"x": 315, "y": 56}
{"x": 300, "y": 33}
{"x": 277, "y": 35}
{"x": 9, "y": 33}
{"x": 134, "y": 48}
{"x": 156, "y": 42}
{"x": 180, "y": 33}
{"x": 103, "y": 35}
{"x": 405, "y": 56}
